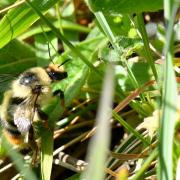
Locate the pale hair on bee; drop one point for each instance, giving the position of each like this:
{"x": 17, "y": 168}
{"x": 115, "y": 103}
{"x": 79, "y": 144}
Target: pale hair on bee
{"x": 21, "y": 105}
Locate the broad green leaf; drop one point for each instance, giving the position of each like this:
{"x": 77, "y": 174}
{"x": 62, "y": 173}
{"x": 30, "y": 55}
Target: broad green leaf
{"x": 17, "y": 66}
{"x": 120, "y": 24}
{"x": 18, "y": 20}
{"x": 15, "y": 57}
{"x": 127, "y": 45}
{"x": 73, "y": 89}
{"x": 124, "y": 7}
{"x": 78, "y": 72}
{"x": 12, "y": 60}
{"x": 142, "y": 72}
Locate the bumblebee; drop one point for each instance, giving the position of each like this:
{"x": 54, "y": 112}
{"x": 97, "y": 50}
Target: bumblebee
{"x": 21, "y": 105}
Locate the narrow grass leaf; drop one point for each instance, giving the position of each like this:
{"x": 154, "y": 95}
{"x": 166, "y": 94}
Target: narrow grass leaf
{"x": 149, "y": 57}
{"x": 66, "y": 25}
{"x": 54, "y": 110}
{"x": 169, "y": 100}
{"x": 46, "y": 155}
{"x": 129, "y": 128}
{"x": 146, "y": 164}
{"x": 100, "y": 142}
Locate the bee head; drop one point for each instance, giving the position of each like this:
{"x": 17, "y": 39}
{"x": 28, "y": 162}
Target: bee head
{"x": 32, "y": 81}
{"x": 37, "y": 80}
{"x": 56, "y": 72}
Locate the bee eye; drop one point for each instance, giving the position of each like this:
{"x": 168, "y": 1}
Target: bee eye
{"x": 28, "y": 78}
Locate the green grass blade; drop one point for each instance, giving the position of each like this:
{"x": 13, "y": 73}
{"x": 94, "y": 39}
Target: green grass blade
{"x": 146, "y": 164}
{"x": 55, "y": 111}
{"x": 169, "y": 99}
{"x": 46, "y": 155}
{"x": 66, "y": 25}
{"x": 100, "y": 142}
{"x": 129, "y": 128}
{"x": 144, "y": 36}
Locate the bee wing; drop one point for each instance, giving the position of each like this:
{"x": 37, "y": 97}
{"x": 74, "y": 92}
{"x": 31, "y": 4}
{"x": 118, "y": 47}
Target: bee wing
{"x": 5, "y": 80}
{"x": 23, "y": 116}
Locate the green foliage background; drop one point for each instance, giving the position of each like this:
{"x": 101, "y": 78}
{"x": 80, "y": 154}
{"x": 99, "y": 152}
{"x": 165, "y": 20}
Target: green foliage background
{"x": 31, "y": 35}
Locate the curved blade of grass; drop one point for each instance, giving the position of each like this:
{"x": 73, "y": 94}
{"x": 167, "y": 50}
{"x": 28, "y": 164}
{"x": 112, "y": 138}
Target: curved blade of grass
{"x": 18, "y": 20}
{"x": 144, "y": 37}
{"x": 59, "y": 35}
{"x": 146, "y": 164}
{"x": 66, "y": 25}
{"x": 169, "y": 100}
{"x": 126, "y": 157}
{"x": 129, "y": 128}
{"x": 132, "y": 96}
{"x": 47, "y": 143}
{"x": 100, "y": 142}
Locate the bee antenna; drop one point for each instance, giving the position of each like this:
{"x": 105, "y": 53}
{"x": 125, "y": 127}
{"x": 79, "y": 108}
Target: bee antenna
{"x": 48, "y": 42}
{"x": 64, "y": 62}
{"x": 49, "y": 53}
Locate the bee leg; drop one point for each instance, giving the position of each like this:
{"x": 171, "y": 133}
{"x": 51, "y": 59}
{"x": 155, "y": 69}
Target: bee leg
{"x": 43, "y": 116}
{"x": 33, "y": 146}
{"x": 60, "y": 93}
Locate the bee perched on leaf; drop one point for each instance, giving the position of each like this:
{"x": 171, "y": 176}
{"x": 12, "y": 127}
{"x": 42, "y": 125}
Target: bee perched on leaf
{"x": 21, "y": 105}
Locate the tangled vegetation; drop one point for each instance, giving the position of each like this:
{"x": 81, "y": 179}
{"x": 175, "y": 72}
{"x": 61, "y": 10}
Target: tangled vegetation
{"x": 119, "y": 117}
